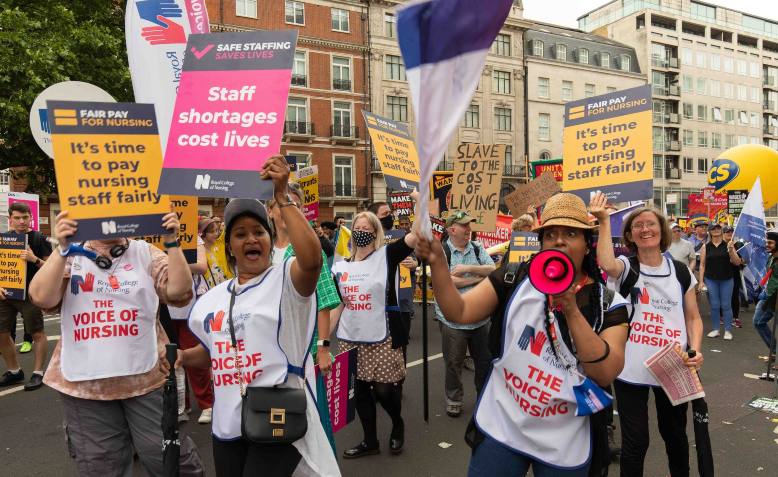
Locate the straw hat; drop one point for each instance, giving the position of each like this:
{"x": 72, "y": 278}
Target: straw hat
{"x": 567, "y": 210}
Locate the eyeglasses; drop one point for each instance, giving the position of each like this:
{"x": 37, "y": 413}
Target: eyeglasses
{"x": 644, "y": 225}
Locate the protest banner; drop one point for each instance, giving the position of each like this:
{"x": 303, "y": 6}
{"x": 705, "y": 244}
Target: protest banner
{"x": 524, "y": 244}
{"x": 395, "y": 151}
{"x": 308, "y": 179}
{"x": 185, "y": 206}
{"x": 500, "y": 234}
{"x": 401, "y": 204}
{"x": 229, "y": 114}
{"x": 713, "y": 209}
{"x": 13, "y": 268}
{"x": 32, "y": 201}
{"x": 156, "y": 34}
{"x": 438, "y": 226}
{"x": 339, "y": 384}
{"x": 537, "y": 168}
{"x": 292, "y": 162}
{"x": 608, "y": 146}
{"x": 735, "y": 201}
{"x": 618, "y": 217}
{"x": 405, "y": 283}
{"x": 107, "y": 160}
{"x": 478, "y": 172}
{"x": 534, "y": 193}
{"x": 440, "y": 190}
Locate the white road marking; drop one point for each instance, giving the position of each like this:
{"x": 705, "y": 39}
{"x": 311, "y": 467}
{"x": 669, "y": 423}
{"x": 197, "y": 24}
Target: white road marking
{"x": 11, "y": 391}
{"x": 48, "y": 338}
{"x": 419, "y": 361}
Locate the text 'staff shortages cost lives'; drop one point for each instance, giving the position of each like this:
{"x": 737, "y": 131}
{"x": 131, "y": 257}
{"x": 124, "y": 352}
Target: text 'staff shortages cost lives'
{"x": 607, "y": 146}
{"x": 229, "y": 114}
{"x": 107, "y": 159}
{"x": 13, "y": 268}
{"x": 395, "y": 151}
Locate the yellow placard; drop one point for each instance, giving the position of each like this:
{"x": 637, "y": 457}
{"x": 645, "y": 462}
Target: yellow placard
{"x": 185, "y": 206}
{"x": 395, "y": 151}
{"x": 308, "y": 179}
{"x": 13, "y": 268}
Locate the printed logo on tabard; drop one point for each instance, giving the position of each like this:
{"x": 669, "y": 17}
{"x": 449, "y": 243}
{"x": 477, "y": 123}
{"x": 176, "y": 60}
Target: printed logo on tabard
{"x": 82, "y": 284}
{"x": 213, "y": 322}
{"x": 535, "y": 341}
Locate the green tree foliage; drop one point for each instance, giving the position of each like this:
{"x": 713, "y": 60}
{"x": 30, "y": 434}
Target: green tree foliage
{"x": 46, "y": 42}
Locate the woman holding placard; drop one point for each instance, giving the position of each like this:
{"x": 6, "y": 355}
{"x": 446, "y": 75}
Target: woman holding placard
{"x": 109, "y": 366}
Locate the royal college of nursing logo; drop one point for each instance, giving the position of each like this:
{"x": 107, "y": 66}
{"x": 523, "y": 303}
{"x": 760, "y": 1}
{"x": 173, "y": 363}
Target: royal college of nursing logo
{"x": 213, "y": 321}
{"x": 164, "y": 30}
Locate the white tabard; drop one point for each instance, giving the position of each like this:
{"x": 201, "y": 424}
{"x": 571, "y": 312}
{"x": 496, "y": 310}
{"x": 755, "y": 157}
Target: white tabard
{"x": 362, "y": 287}
{"x": 109, "y": 332}
{"x": 528, "y": 403}
{"x": 657, "y": 321}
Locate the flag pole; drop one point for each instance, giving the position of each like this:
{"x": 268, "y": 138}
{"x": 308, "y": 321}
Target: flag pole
{"x": 425, "y": 343}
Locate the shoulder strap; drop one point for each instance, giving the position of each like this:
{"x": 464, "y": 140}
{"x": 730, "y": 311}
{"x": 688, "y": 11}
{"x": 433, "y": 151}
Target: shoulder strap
{"x": 478, "y": 250}
{"x": 632, "y": 277}
{"x": 447, "y": 251}
{"x": 682, "y": 275}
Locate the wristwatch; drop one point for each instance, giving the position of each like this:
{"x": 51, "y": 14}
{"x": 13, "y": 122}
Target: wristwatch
{"x": 38, "y": 262}
{"x": 288, "y": 202}
{"x": 323, "y": 343}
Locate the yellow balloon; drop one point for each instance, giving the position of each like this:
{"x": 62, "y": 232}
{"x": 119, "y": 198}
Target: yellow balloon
{"x": 737, "y": 169}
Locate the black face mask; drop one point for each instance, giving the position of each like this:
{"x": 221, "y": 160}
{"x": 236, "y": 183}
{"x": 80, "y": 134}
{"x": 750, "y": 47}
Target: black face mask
{"x": 363, "y": 238}
{"x": 387, "y": 222}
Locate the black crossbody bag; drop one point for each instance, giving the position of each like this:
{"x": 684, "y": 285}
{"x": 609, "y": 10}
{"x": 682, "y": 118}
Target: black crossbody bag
{"x": 268, "y": 415}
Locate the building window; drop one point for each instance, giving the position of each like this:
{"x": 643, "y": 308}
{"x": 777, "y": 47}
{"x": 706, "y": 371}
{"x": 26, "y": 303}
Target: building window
{"x": 715, "y": 140}
{"x": 688, "y": 164}
{"x": 699, "y": 59}
{"x": 702, "y": 86}
{"x": 341, "y": 73}
{"x": 729, "y": 90}
{"x": 688, "y": 111}
{"x": 543, "y": 88}
{"x": 544, "y": 127}
{"x": 728, "y": 65}
{"x": 545, "y": 155}
{"x": 503, "y": 120}
{"x": 716, "y": 114}
{"x": 589, "y": 90}
{"x": 300, "y": 159}
{"x": 561, "y": 52}
{"x": 742, "y": 92}
{"x": 567, "y": 90}
{"x": 501, "y": 82}
{"x": 583, "y": 56}
{"x": 625, "y": 63}
{"x": 743, "y": 118}
{"x": 299, "y": 70}
{"x": 754, "y": 120}
{"x": 686, "y": 56}
{"x": 537, "y": 48}
{"x": 340, "y": 20}
{"x": 605, "y": 60}
{"x": 715, "y": 88}
{"x": 397, "y": 108}
{"x": 702, "y": 112}
{"x": 295, "y": 12}
{"x": 394, "y": 68}
{"x": 729, "y": 116}
{"x": 390, "y": 25}
{"x": 473, "y": 116}
{"x": 755, "y": 70}
{"x": 297, "y": 116}
{"x": 508, "y": 156}
{"x": 688, "y": 84}
{"x": 341, "y": 119}
{"x": 702, "y": 11}
{"x": 344, "y": 176}
{"x": 753, "y": 94}
{"x": 742, "y": 67}
{"x": 715, "y": 62}
{"x": 702, "y": 138}
{"x": 610, "y": 89}
{"x": 246, "y": 8}
{"x": 688, "y": 137}
{"x": 729, "y": 141}
{"x": 502, "y": 45}
{"x": 702, "y": 165}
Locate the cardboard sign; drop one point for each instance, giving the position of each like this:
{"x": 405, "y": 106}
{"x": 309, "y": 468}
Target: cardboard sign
{"x": 440, "y": 189}
{"x": 395, "y": 151}
{"x": 554, "y": 166}
{"x": 438, "y": 226}
{"x": 107, "y": 160}
{"x": 501, "y": 234}
{"x": 401, "y": 204}
{"x": 339, "y": 384}
{"x": 308, "y": 179}
{"x": 13, "y": 268}
{"x": 186, "y": 208}
{"x": 478, "y": 173}
{"x": 32, "y": 201}
{"x": 534, "y": 193}
{"x": 735, "y": 201}
{"x": 608, "y": 146}
{"x": 229, "y": 114}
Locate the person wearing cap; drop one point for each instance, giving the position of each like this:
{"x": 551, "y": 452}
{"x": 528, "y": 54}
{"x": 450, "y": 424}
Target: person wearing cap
{"x": 468, "y": 264}
{"x": 680, "y": 248}
{"x": 109, "y": 365}
{"x": 765, "y": 307}
{"x": 660, "y": 296}
{"x": 255, "y": 331}
{"x": 370, "y": 320}
{"x": 716, "y": 260}
{"x": 738, "y": 288}
{"x": 547, "y": 350}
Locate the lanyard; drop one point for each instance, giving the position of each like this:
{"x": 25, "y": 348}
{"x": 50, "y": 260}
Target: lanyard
{"x": 551, "y": 325}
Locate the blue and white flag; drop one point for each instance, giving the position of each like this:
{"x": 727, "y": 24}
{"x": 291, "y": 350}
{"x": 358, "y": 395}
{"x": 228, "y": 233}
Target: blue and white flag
{"x": 444, "y": 44}
{"x": 751, "y": 229}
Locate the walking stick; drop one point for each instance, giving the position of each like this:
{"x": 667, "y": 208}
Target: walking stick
{"x": 424, "y": 343}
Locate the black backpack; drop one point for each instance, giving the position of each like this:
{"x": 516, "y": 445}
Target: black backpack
{"x": 628, "y": 290}
{"x": 476, "y": 247}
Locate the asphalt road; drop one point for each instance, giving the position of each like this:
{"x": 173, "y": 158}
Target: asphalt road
{"x": 744, "y": 442}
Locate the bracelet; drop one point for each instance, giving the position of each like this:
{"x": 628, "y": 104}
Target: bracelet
{"x": 323, "y": 343}
{"x": 173, "y": 244}
{"x": 603, "y": 357}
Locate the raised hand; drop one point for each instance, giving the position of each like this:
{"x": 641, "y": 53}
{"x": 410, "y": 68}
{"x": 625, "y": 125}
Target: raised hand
{"x": 64, "y": 228}
{"x": 151, "y": 10}
{"x": 171, "y": 224}
{"x": 170, "y": 33}
{"x": 597, "y": 207}
{"x": 277, "y": 169}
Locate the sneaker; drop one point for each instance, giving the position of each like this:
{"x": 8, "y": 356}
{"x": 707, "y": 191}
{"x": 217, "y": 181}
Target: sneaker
{"x": 183, "y": 417}
{"x": 727, "y": 336}
{"x": 454, "y": 410}
{"x": 26, "y": 347}
{"x": 10, "y": 378}
{"x": 36, "y": 381}
{"x": 206, "y": 416}
{"x": 713, "y": 334}
{"x": 469, "y": 364}
{"x": 738, "y": 323}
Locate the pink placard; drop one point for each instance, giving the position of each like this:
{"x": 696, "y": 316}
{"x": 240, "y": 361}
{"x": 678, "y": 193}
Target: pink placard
{"x": 32, "y": 201}
{"x": 339, "y": 384}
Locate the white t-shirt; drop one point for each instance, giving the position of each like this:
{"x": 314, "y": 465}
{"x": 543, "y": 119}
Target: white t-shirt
{"x": 682, "y": 250}
{"x": 278, "y": 254}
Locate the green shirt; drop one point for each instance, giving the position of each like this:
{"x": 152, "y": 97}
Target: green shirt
{"x": 772, "y": 283}
{"x": 326, "y": 294}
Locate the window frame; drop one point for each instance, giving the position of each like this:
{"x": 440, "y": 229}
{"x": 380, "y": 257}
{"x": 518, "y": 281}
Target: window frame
{"x": 294, "y": 4}
{"x": 333, "y": 10}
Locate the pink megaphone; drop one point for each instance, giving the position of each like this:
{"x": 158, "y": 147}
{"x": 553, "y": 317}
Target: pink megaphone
{"x": 551, "y": 272}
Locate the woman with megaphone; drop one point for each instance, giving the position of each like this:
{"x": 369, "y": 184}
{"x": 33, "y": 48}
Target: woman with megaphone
{"x": 552, "y": 351}
{"x": 663, "y": 309}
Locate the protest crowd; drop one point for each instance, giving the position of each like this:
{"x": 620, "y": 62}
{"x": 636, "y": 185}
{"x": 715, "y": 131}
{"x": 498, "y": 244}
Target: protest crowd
{"x": 573, "y": 302}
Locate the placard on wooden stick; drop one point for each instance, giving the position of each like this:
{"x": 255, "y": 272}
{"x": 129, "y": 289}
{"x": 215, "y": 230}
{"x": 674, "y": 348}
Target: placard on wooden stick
{"x": 478, "y": 172}
{"x": 535, "y": 193}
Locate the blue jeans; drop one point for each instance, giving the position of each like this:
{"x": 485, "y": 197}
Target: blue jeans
{"x": 720, "y": 297}
{"x": 491, "y": 459}
{"x": 762, "y": 316}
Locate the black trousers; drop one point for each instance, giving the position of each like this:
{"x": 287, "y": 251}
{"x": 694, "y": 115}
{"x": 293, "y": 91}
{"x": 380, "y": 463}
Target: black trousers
{"x": 390, "y": 396}
{"x": 240, "y": 458}
{"x": 632, "y": 404}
